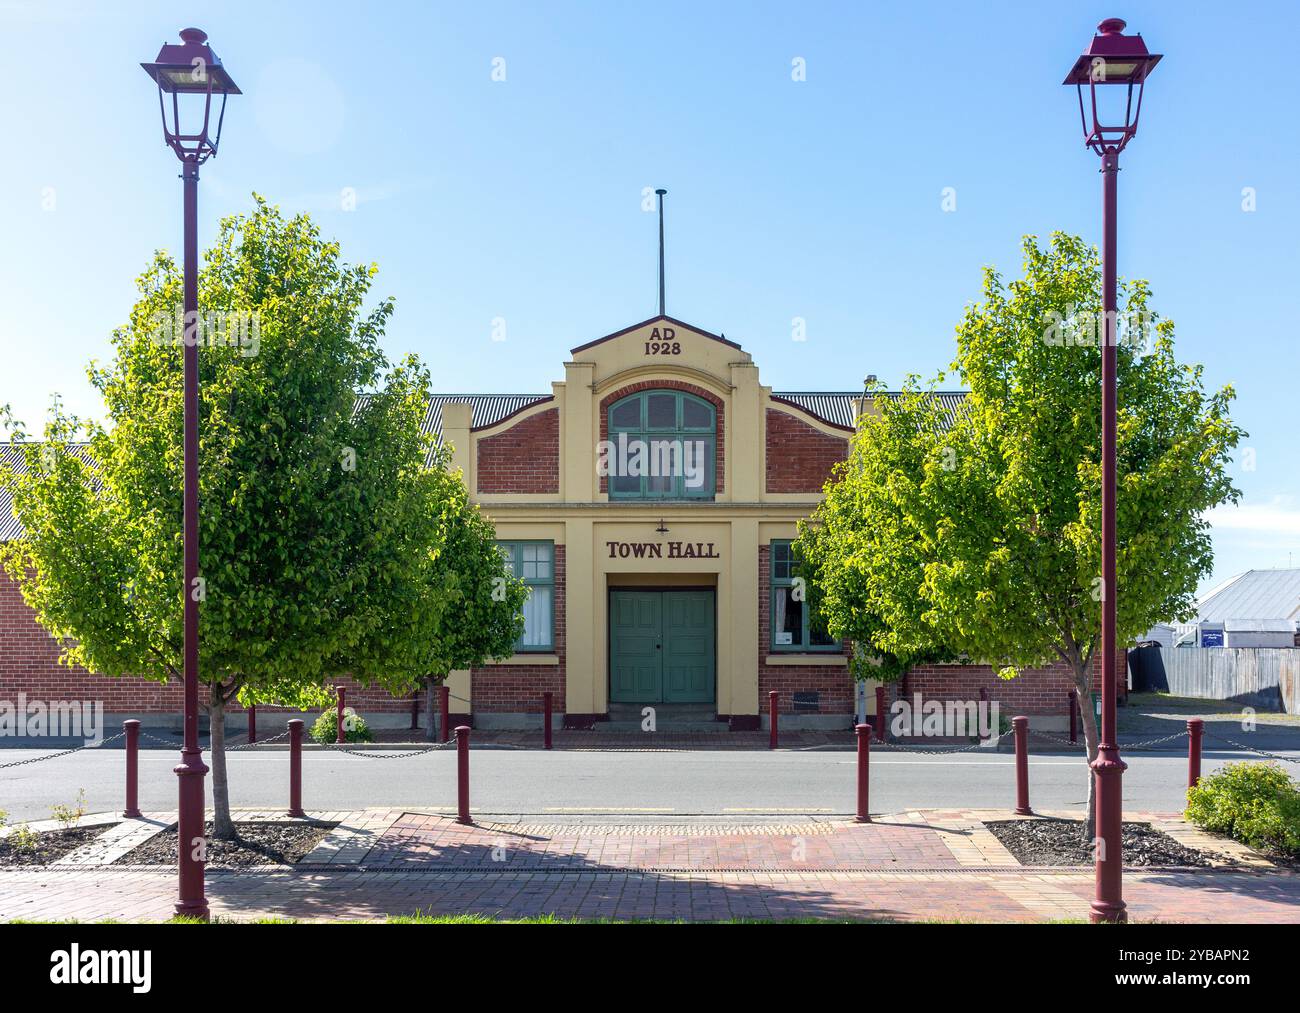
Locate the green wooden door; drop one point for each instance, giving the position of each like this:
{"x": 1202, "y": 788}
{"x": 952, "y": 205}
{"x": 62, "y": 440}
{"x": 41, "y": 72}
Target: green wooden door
{"x": 661, "y": 647}
{"x": 688, "y": 646}
{"x": 635, "y": 651}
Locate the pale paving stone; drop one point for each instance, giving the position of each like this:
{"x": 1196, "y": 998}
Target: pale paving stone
{"x": 116, "y": 842}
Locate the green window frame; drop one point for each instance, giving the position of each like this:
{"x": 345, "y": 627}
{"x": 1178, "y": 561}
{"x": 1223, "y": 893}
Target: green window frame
{"x": 533, "y": 562}
{"x": 656, "y": 416}
{"x": 791, "y": 630}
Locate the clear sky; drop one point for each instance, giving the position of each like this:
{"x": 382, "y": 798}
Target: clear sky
{"x": 820, "y": 199}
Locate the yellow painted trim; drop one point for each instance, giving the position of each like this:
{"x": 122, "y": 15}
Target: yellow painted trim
{"x": 828, "y": 660}
{"x": 539, "y": 658}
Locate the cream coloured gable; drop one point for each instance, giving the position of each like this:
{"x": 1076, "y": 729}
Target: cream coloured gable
{"x": 662, "y": 346}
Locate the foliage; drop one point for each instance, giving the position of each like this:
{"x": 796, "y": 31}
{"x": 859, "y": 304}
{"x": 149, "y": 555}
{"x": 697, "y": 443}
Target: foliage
{"x": 69, "y": 815}
{"x": 326, "y": 727}
{"x": 978, "y": 535}
{"x": 318, "y": 490}
{"x": 1256, "y": 803}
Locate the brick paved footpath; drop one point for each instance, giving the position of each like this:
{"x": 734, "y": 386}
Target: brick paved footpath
{"x": 935, "y": 864}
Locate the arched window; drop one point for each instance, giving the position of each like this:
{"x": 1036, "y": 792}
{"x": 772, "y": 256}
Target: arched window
{"x": 661, "y": 445}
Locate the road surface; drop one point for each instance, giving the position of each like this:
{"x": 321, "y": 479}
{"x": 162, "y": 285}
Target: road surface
{"x": 669, "y": 783}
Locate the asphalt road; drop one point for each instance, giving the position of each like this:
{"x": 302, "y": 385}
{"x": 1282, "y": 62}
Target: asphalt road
{"x": 687, "y": 782}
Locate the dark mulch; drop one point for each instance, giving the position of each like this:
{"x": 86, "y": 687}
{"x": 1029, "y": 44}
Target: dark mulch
{"x": 258, "y": 844}
{"x": 1047, "y": 841}
{"x": 50, "y": 846}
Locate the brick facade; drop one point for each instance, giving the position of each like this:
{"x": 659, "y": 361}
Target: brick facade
{"x": 832, "y": 683}
{"x": 800, "y": 456}
{"x": 720, "y": 459}
{"x": 518, "y": 688}
{"x": 1042, "y": 691}
{"x": 525, "y": 458}
{"x": 29, "y": 664}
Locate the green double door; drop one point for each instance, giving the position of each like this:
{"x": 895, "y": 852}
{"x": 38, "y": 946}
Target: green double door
{"x": 661, "y": 647}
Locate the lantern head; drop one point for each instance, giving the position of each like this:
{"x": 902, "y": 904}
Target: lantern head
{"x": 191, "y": 73}
{"x": 1113, "y": 59}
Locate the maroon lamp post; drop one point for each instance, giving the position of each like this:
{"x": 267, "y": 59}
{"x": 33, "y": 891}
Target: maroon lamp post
{"x": 188, "y": 75}
{"x": 1112, "y": 62}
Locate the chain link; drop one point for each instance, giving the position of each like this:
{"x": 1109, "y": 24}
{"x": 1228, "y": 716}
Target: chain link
{"x": 403, "y": 754}
{"x": 65, "y": 752}
{"x": 938, "y": 750}
{"x": 260, "y": 742}
{"x": 1250, "y": 749}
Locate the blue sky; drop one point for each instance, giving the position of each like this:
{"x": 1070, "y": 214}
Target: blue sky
{"x": 821, "y": 199}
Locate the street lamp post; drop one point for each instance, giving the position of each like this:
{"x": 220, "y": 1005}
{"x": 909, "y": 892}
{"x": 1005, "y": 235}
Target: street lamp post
{"x": 1112, "y": 60}
{"x": 192, "y": 73}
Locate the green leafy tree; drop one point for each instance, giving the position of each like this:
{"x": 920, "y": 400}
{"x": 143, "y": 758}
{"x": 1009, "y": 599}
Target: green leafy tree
{"x": 980, "y": 534}
{"x": 486, "y": 618}
{"x": 319, "y": 510}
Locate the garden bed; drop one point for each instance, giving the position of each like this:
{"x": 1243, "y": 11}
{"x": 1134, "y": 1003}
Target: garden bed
{"x": 1047, "y": 841}
{"x": 49, "y": 846}
{"x": 260, "y": 843}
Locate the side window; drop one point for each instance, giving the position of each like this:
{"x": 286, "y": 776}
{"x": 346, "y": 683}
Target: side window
{"x": 534, "y": 564}
{"x": 792, "y": 629}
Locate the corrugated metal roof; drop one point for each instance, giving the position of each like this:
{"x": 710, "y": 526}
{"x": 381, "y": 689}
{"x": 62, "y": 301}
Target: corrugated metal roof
{"x": 14, "y": 455}
{"x": 837, "y": 407}
{"x": 1255, "y": 594}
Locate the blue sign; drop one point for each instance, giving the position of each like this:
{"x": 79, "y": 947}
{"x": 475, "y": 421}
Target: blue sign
{"x": 1211, "y": 638}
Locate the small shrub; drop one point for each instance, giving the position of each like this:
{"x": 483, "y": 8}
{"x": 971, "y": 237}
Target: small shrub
{"x": 1255, "y": 803}
{"x": 68, "y": 815}
{"x": 355, "y": 729}
{"x": 23, "y": 839}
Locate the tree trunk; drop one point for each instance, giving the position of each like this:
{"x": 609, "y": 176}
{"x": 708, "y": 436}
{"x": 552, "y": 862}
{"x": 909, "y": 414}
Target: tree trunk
{"x": 430, "y": 706}
{"x": 223, "y": 828}
{"x": 1083, "y": 689}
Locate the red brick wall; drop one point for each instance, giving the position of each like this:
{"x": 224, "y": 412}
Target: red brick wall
{"x": 1035, "y": 691}
{"x": 713, "y": 399}
{"x": 29, "y": 663}
{"x": 832, "y": 683}
{"x": 524, "y": 458}
{"x": 799, "y": 456}
{"x": 519, "y": 688}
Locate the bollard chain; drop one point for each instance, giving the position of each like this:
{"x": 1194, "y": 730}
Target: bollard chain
{"x": 1251, "y": 749}
{"x": 403, "y": 754}
{"x": 65, "y": 752}
{"x": 260, "y": 742}
{"x": 938, "y": 750}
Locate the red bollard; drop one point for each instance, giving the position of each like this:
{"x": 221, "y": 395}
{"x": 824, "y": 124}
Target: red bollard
{"x": 548, "y": 703}
{"x": 1195, "y": 729}
{"x": 444, "y": 714}
{"x": 864, "y": 756}
{"x": 295, "y": 768}
{"x": 772, "y": 699}
{"x": 462, "y": 775}
{"x": 132, "y": 729}
{"x": 1072, "y": 702}
{"x": 1021, "y": 726}
{"x": 880, "y": 713}
{"x": 252, "y": 722}
{"x": 339, "y": 737}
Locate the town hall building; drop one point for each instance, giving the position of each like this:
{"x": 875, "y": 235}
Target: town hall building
{"x": 648, "y": 501}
